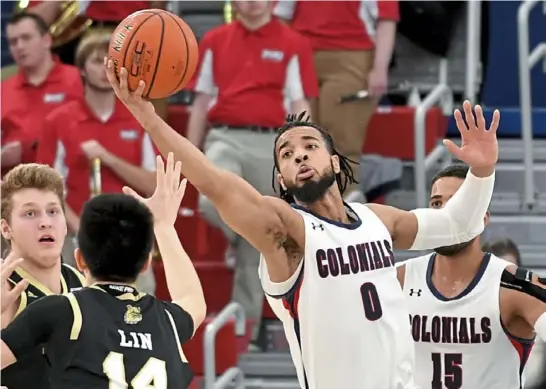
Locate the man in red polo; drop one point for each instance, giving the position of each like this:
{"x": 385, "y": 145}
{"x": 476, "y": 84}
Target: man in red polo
{"x": 41, "y": 84}
{"x": 252, "y": 73}
{"x": 353, "y": 43}
{"x": 97, "y": 127}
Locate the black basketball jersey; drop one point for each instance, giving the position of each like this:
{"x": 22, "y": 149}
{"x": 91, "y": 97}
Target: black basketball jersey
{"x": 115, "y": 337}
{"x": 32, "y": 371}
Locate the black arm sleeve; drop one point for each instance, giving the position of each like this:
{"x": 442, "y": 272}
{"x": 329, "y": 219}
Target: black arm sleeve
{"x": 35, "y": 325}
{"x": 182, "y": 320}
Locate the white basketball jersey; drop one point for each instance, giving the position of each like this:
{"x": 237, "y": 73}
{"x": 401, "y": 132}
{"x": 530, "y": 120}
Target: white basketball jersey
{"x": 343, "y": 311}
{"x": 460, "y": 342}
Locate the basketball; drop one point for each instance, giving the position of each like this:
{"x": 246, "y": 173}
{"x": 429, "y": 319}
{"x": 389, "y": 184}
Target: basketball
{"x": 157, "y": 47}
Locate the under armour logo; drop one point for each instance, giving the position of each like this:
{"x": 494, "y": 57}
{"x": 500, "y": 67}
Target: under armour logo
{"x": 319, "y": 226}
{"x": 416, "y": 292}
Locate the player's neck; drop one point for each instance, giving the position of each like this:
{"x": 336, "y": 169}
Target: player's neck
{"x": 330, "y": 206}
{"x": 100, "y": 102}
{"x": 50, "y": 277}
{"x": 255, "y": 23}
{"x": 464, "y": 265}
{"x": 37, "y": 75}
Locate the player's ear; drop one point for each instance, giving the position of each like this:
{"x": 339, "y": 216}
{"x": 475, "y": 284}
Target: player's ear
{"x": 80, "y": 262}
{"x": 281, "y": 181}
{"x": 335, "y": 164}
{"x": 147, "y": 264}
{"x": 486, "y": 218}
{"x": 6, "y": 230}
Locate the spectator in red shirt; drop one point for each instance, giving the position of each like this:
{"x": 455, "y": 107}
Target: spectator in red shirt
{"x": 252, "y": 73}
{"x": 353, "y": 43}
{"x": 96, "y": 127}
{"x": 41, "y": 84}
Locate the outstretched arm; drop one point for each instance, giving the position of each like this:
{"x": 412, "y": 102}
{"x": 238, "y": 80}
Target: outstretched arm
{"x": 462, "y": 217}
{"x": 261, "y": 220}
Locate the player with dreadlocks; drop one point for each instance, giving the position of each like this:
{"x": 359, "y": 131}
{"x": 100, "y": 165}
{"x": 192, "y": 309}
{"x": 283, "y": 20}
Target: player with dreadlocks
{"x": 307, "y": 192}
{"x": 327, "y": 267}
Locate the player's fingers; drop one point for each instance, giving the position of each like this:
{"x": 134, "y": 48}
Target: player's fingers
{"x": 479, "y": 118}
{"x": 182, "y": 188}
{"x": 111, "y": 75}
{"x": 9, "y": 265}
{"x": 469, "y": 115}
{"x": 452, "y": 148}
{"x": 495, "y": 122}
{"x": 140, "y": 89}
{"x": 130, "y": 192}
{"x": 123, "y": 86}
{"x": 176, "y": 175}
{"x": 160, "y": 171}
{"x": 16, "y": 291}
{"x": 459, "y": 121}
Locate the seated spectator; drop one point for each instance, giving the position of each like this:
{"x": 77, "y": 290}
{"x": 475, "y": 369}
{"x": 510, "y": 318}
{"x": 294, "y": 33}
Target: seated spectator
{"x": 505, "y": 249}
{"x": 252, "y": 72}
{"x": 41, "y": 84}
{"x": 96, "y": 127}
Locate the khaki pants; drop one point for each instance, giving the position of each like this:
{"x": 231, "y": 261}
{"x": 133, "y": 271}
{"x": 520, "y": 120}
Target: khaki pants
{"x": 343, "y": 73}
{"x": 250, "y": 156}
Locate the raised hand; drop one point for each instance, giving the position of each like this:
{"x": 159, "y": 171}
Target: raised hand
{"x": 169, "y": 192}
{"x": 132, "y": 99}
{"x": 479, "y": 146}
{"x": 10, "y": 295}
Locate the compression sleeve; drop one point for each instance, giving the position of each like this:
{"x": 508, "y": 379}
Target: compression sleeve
{"x": 460, "y": 220}
{"x": 35, "y": 325}
{"x": 182, "y": 321}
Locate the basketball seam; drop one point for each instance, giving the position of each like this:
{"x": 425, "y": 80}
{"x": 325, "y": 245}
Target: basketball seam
{"x": 159, "y": 50}
{"x": 187, "y": 50}
{"x": 132, "y": 37}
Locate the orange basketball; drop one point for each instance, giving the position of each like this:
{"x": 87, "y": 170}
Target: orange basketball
{"x": 157, "y": 47}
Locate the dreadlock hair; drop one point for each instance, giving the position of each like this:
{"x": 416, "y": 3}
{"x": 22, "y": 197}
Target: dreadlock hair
{"x": 346, "y": 175}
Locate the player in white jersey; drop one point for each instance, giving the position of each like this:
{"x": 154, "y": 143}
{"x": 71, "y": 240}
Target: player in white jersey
{"x": 472, "y": 319}
{"x": 328, "y": 263}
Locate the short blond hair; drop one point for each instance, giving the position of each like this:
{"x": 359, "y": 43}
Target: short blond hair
{"x": 91, "y": 42}
{"x": 29, "y": 176}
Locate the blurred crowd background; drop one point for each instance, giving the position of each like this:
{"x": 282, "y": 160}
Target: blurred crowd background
{"x": 383, "y": 77}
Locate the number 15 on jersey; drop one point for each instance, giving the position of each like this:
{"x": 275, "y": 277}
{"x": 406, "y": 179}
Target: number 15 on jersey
{"x": 447, "y": 371}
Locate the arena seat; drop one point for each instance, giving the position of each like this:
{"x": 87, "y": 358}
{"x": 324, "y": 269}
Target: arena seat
{"x": 216, "y": 279}
{"x": 391, "y": 132}
{"x": 227, "y": 348}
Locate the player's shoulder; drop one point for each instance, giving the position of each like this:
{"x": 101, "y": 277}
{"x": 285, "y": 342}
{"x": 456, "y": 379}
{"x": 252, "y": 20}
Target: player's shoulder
{"x": 420, "y": 261}
{"x": 61, "y": 113}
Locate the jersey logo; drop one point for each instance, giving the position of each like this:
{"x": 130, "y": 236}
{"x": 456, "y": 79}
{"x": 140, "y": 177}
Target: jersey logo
{"x": 318, "y": 226}
{"x": 415, "y": 292}
{"x": 132, "y": 315}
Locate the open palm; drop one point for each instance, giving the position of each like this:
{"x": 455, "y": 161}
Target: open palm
{"x": 479, "y": 147}
{"x": 169, "y": 192}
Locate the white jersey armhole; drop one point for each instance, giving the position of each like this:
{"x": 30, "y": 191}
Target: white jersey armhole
{"x": 278, "y": 289}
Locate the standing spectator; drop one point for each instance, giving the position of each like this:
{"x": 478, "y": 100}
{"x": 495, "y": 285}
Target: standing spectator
{"x": 252, "y": 73}
{"x": 41, "y": 84}
{"x": 353, "y": 43}
{"x": 96, "y": 126}
{"x": 104, "y": 15}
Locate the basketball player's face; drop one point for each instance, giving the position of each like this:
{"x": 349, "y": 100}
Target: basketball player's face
{"x": 37, "y": 228}
{"x": 307, "y": 170}
{"x": 94, "y": 72}
{"x": 442, "y": 190}
{"x": 27, "y": 47}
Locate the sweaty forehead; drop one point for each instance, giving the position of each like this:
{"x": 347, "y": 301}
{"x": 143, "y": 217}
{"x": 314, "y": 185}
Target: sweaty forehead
{"x": 297, "y": 134}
